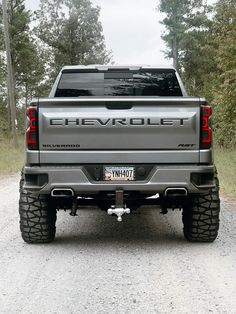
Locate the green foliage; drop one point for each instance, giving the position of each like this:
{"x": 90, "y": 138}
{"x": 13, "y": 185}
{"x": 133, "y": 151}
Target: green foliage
{"x": 27, "y": 62}
{"x": 184, "y": 21}
{"x": 225, "y": 38}
{"x": 197, "y": 62}
{"x": 68, "y": 32}
{"x": 72, "y": 31}
{"x": 206, "y": 45}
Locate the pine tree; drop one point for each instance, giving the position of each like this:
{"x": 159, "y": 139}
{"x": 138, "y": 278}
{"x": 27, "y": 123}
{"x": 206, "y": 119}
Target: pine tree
{"x": 72, "y": 31}
{"x": 224, "y": 33}
{"x": 26, "y": 59}
{"x": 183, "y": 19}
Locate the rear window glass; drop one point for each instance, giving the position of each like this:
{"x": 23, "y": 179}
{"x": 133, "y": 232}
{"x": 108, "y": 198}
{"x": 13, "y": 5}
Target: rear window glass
{"x": 142, "y": 83}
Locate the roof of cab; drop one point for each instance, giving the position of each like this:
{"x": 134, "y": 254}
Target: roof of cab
{"x": 99, "y": 67}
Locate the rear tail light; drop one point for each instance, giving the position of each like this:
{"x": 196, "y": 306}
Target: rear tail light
{"x": 206, "y": 132}
{"x": 32, "y": 131}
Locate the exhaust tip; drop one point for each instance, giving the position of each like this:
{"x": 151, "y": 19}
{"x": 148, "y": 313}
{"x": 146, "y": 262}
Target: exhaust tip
{"x": 62, "y": 193}
{"x": 172, "y": 192}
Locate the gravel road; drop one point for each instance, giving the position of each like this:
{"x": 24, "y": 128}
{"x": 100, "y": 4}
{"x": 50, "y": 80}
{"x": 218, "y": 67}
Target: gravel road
{"x": 97, "y": 265}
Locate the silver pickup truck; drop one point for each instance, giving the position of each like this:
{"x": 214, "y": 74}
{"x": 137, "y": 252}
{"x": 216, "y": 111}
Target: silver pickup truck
{"x": 118, "y": 138}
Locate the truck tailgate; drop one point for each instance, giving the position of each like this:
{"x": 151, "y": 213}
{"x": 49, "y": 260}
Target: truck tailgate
{"x": 119, "y": 130}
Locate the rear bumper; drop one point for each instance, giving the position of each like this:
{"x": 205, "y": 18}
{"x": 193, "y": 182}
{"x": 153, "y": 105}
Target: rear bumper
{"x": 195, "y": 178}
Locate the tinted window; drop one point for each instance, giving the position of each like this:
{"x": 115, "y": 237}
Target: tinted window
{"x": 142, "y": 83}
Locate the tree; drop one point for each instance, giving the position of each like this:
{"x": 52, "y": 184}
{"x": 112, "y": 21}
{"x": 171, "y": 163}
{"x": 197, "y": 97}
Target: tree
{"x": 10, "y": 72}
{"x": 224, "y": 33}
{"x": 27, "y": 59}
{"x": 205, "y": 53}
{"x": 72, "y": 31}
{"x": 183, "y": 17}
{"x": 197, "y": 60}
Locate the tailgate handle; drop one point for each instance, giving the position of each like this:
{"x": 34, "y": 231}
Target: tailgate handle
{"x": 119, "y": 106}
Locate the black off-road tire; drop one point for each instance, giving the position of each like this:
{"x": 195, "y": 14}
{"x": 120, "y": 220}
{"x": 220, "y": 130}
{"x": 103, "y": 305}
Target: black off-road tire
{"x": 201, "y": 216}
{"x": 37, "y": 217}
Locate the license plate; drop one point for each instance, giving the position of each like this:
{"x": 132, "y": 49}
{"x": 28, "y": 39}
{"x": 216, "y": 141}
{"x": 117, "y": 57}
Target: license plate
{"x": 119, "y": 173}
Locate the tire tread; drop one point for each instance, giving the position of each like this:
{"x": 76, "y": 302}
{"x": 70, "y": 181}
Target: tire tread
{"x": 37, "y": 217}
{"x": 201, "y": 216}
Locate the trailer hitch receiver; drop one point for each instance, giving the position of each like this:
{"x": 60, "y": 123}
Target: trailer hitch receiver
{"x": 119, "y": 209}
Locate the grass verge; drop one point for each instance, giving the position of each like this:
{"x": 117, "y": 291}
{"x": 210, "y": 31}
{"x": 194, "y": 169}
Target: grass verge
{"x": 225, "y": 161}
{"x": 11, "y": 159}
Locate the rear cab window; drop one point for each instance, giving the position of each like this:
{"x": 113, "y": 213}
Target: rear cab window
{"x": 114, "y": 83}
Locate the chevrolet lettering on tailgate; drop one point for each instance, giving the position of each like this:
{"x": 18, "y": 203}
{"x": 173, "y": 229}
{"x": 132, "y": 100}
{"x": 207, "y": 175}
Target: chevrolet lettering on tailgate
{"x": 71, "y": 122}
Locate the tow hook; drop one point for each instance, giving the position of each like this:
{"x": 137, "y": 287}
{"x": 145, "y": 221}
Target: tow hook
{"x": 119, "y": 209}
